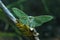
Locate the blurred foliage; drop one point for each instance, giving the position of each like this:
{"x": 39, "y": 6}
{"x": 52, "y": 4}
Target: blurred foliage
{"x": 7, "y": 34}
